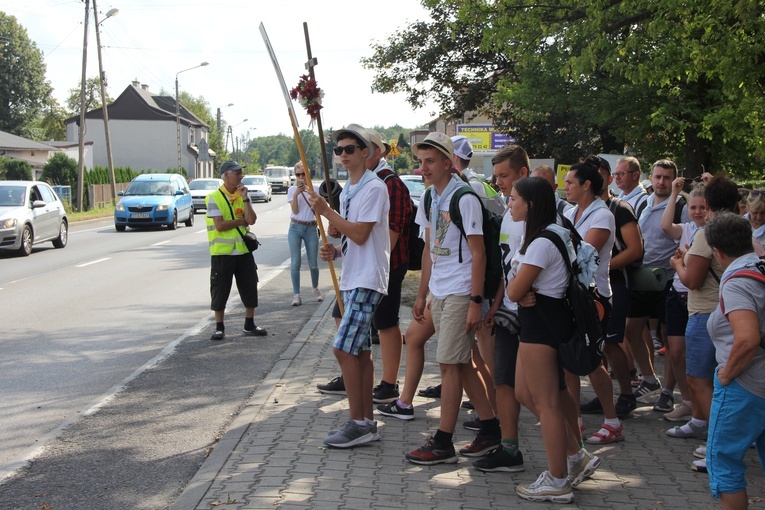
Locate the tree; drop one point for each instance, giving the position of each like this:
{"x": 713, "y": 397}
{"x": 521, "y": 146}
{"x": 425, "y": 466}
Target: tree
{"x": 17, "y": 170}
{"x": 92, "y": 96}
{"x": 663, "y": 78}
{"x": 50, "y": 125}
{"x": 60, "y": 169}
{"x": 23, "y": 87}
{"x": 275, "y": 150}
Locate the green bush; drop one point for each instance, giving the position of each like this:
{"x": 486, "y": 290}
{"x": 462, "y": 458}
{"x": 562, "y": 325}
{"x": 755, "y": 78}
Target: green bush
{"x": 16, "y": 170}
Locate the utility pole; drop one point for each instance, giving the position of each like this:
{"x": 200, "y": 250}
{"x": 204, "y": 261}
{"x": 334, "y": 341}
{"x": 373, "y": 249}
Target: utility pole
{"x": 80, "y": 163}
{"x": 109, "y": 158}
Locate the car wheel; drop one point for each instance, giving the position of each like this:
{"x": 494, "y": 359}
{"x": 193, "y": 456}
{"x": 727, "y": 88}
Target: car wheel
{"x": 119, "y": 228}
{"x": 173, "y": 224}
{"x": 63, "y": 235}
{"x": 25, "y": 248}
{"x": 190, "y": 222}
{"x": 269, "y": 198}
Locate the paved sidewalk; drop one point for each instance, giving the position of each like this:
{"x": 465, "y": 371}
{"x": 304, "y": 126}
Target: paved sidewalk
{"x": 273, "y": 455}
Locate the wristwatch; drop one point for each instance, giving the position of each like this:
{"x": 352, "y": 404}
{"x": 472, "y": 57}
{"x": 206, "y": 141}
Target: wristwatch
{"x": 476, "y": 299}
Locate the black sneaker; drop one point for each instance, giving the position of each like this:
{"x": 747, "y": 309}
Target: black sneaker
{"x": 385, "y": 393}
{"x": 665, "y": 403}
{"x": 334, "y": 387}
{"x": 255, "y": 331}
{"x": 473, "y": 424}
{"x": 646, "y": 391}
{"x": 394, "y": 410}
{"x": 592, "y": 407}
{"x": 468, "y": 405}
{"x": 499, "y": 460}
{"x": 218, "y": 335}
{"x": 481, "y": 445}
{"x": 625, "y": 404}
{"x": 431, "y": 392}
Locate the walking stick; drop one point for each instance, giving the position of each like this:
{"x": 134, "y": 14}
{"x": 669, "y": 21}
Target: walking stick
{"x": 293, "y": 121}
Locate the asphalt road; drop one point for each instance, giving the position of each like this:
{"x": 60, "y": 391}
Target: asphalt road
{"x": 112, "y": 389}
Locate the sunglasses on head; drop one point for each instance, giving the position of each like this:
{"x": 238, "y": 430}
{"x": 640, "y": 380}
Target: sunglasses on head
{"x": 757, "y": 193}
{"x": 349, "y": 149}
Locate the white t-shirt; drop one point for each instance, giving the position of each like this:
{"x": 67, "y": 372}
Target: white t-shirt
{"x": 510, "y": 240}
{"x": 367, "y": 266}
{"x": 689, "y": 230}
{"x": 602, "y": 218}
{"x": 305, "y": 213}
{"x": 449, "y": 277}
{"x": 553, "y": 280}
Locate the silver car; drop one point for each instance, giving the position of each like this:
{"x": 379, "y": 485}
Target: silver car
{"x": 258, "y": 187}
{"x": 200, "y": 188}
{"x": 31, "y": 213}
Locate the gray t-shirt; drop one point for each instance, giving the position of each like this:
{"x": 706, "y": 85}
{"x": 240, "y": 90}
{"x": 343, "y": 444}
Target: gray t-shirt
{"x": 740, "y": 294}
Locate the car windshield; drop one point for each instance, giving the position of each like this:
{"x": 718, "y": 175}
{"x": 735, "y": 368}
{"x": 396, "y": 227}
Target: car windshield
{"x": 414, "y": 186}
{"x": 253, "y": 180}
{"x": 12, "y": 196}
{"x": 205, "y": 185}
{"x": 277, "y": 172}
{"x": 149, "y": 188}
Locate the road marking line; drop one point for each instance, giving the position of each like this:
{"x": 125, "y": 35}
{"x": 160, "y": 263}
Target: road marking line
{"x": 160, "y": 243}
{"x": 11, "y": 468}
{"x": 93, "y": 262}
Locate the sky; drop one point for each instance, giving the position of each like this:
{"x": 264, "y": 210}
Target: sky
{"x": 152, "y": 40}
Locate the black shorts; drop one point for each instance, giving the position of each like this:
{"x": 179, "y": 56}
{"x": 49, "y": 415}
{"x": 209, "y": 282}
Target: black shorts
{"x": 648, "y": 304}
{"x": 620, "y": 303}
{"x": 549, "y": 322}
{"x": 606, "y": 304}
{"x": 505, "y": 356}
{"x": 223, "y": 269}
{"x": 387, "y": 312}
{"x": 676, "y": 312}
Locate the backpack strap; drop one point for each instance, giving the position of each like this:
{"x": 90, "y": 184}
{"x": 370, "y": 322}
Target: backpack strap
{"x": 558, "y": 242}
{"x": 561, "y": 207}
{"x": 456, "y": 215}
{"x": 641, "y": 205}
{"x": 758, "y": 274}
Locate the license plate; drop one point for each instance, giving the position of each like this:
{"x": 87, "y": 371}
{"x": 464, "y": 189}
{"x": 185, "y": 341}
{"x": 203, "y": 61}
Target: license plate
{"x": 140, "y": 215}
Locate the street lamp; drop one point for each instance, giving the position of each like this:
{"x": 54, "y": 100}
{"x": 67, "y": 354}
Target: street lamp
{"x": 109, "y": 158}
{"x": 218, "y": 118}
{"x": 178, "y": 109}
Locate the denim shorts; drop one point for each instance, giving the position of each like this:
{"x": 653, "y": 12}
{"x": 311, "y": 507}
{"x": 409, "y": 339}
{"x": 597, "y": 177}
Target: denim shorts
{"x": 700, "y": 360}
{"x": 736, "y": 420}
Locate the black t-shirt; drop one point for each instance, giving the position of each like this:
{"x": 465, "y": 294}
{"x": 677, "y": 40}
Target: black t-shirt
{"x": 623, "y": 214}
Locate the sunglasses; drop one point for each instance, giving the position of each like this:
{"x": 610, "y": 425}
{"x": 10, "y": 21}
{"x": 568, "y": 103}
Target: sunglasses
{"x": 349, "y": 149}
{"x": 757, "y": 193}
{"x": 299, "y": 175}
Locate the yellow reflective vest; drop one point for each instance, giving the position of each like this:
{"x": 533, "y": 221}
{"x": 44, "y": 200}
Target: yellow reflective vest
{"x": 228, "y": 242}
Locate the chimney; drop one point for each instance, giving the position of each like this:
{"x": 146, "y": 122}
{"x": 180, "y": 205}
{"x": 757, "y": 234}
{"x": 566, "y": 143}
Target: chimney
{"x": 136, "y": 83}
{"x": 145, "y": 86}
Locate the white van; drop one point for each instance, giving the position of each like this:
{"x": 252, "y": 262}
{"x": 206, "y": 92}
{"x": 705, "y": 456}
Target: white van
{"x": 280, "y": 178}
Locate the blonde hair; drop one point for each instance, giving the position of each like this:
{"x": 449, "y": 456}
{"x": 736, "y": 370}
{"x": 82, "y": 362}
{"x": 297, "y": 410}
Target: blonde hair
{"x": 756, "y": 201}
{"x": 299, "y": 164}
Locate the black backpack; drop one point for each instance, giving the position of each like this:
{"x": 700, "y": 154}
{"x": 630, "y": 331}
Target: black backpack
{"x": 416, "y": 244}
{"x": 583, "y": 352}
{"x": 492, "y": 223}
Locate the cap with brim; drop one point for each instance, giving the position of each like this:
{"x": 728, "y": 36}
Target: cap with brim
{"x": 377, "y": 138}
{"x": 359, "y": 132}
{"x": 229, "y": 165}
{"x": 463, "y": 149}
{"x": 438, "y": 141}
{"x": 647, "y": 183}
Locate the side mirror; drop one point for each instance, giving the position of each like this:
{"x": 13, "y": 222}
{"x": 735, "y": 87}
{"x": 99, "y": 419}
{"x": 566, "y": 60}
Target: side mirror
{"x": 179, "y": 193}
{"x": 37, "y": 204}
{"x": 120, "y": 193}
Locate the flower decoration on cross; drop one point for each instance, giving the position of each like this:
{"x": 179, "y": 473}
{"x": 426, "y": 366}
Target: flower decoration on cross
{"x": 309, "y": 95}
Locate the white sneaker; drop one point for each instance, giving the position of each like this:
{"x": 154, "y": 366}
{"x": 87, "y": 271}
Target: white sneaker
{"x": 544, "y": 489}
{"x": 317, "y": 294}
{"x": 296, "y": 301}
{"x": 582, "y": 468}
